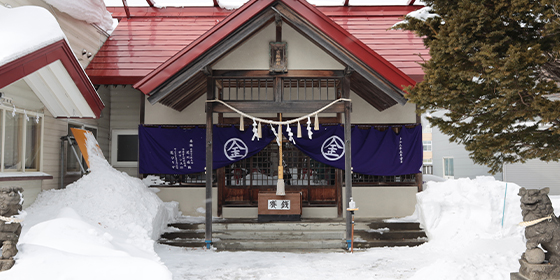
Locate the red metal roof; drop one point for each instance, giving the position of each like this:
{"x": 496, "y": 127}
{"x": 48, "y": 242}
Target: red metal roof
{"x": 151, "y": 36}
{"x": 23, "y": 66}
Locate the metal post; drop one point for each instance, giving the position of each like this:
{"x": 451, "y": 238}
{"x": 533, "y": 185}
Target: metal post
{"x": 347, "y": 153}
{"x": 348, "y": 169}
{"x": 62, "y": 167}
{"x": 209, "y": 167}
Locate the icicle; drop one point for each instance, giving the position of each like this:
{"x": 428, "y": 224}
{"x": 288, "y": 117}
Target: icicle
{"x": 316, "y": 121}
{"x": 290, "y": 134}
{"x": 255, "y": 131}
{"x": 241, "y": 124}
{"x": 26, "y": 116}
{"x": 259, "y": 131}
{"x": 14, "y": 111}
{"x": 309, "y": 132}
{"x": 298, "y": 130}
{"x": 37, "y": 118}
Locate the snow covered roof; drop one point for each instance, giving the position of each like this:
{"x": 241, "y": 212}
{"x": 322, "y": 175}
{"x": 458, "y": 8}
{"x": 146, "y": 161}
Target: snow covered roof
{"x": 37, "y": 51}
{"x": 30, "y": 28}
{"x": 90, "y": 11}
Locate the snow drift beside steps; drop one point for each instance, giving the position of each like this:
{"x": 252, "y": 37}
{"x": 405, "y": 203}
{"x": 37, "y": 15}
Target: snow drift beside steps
{"x": 465, "y": 209}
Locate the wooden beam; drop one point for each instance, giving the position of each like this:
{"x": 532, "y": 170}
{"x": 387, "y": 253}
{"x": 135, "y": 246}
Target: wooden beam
{"x": 252, "y": 107}
{"x": 278, "y": 21}
{"x": 266, "y": 73}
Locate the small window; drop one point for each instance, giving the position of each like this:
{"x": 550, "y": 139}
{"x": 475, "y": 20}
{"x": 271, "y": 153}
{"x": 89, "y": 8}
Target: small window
{"x": 448, "y": 169}
{"x": 124, "y": 148}
{"x": 427, "y": 144}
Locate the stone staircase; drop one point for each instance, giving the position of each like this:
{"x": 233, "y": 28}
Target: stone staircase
{"x": 382, "y": 234}
{"x": 308, "y": 235}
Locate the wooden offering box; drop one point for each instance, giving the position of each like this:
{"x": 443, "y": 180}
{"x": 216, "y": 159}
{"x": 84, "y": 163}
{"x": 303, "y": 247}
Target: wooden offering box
{"x": 273, "y": 207}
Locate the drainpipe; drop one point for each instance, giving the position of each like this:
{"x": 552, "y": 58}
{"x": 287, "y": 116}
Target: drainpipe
{"x": 62, "y": 155}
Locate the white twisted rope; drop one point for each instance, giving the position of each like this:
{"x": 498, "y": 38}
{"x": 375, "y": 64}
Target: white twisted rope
{"x": 534, "y": 222}
{"x": 282, "y": 122}
{"x": 10, "y": 220}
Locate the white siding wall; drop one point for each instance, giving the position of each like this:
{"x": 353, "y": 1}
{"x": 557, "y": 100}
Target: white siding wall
{"x": 464, "y": 167}
{"x": 535, "y": 174}
{"x": 125, "y": 113}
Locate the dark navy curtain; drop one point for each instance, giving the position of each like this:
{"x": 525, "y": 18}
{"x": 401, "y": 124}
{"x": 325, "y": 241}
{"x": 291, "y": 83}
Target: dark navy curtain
{"x": 374, "y": 152}
{"x": 183, "y": 151}
{"x": 178, "y": 150}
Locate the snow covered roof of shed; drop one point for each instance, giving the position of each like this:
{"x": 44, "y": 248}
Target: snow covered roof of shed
{"x": 38, "y": 53}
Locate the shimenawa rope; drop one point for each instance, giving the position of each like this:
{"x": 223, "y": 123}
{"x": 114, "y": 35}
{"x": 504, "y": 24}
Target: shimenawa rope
{"x": 534, "y": 222}
{"x": 10, "y": 220}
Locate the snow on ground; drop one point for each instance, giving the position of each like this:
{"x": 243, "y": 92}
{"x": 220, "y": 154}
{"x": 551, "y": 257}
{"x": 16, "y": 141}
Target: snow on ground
{"x": 104, "y": 226}
{"x": 463, "y": 218}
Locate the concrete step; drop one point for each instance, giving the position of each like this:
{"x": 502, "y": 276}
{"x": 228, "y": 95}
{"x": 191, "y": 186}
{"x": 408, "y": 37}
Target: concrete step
{"x": 279, "y": 226}
{"x": 308, "y": 236}
{"x": 394, "y": 226}
{"x": 388, "y": 243}
{"x": 278, "y": 245}
{"x": 245, "y": 234}
{"x": 390, "y": 234}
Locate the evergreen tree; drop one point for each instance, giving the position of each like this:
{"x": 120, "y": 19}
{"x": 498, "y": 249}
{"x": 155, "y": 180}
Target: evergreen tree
{"x": 493, "y": 71}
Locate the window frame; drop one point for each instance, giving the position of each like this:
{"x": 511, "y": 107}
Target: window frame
{"x": 427, "y": 144}
{"x": 115, "y": 133}
{"x": 446, "y": 167}
{"x": 32, "y": 115}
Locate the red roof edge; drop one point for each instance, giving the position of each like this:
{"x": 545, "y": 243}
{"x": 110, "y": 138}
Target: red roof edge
{"x": 200, "y": 45}
{"x": 23, "y": 66}
{"x": 355, "y": 46}
{"x": 313, "y": 15}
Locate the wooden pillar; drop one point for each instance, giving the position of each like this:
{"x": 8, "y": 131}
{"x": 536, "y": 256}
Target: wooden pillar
{"x": 209, "y": 125}
{"x": 347, "y": 152}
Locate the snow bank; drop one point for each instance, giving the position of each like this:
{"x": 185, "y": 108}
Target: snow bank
{"x": 465, "y": 209}
{"x": 90, "y": 11}
{"x": 25, "y": 30}
{"x": 102, "y": 226}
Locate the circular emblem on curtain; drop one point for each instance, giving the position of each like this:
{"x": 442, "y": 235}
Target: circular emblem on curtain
{"x": 333, "y": 148}
{"x": 235, "y": 149}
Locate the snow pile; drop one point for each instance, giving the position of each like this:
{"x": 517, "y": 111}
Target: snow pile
{"x": 100, "y": 227}
{"x": 231, "y": 4}
{"x": 466, "y": 209}
{"x": 90, "y": 11}
{"x": 25, "y": 30}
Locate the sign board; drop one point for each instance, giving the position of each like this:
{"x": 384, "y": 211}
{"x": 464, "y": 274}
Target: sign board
{"x": 275, "y": 204}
